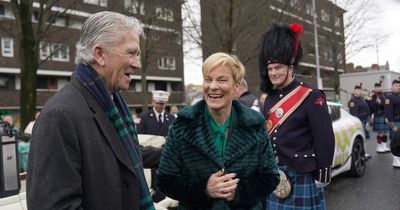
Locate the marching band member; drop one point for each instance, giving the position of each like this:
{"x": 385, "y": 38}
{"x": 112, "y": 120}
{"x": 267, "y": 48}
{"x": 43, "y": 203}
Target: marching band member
{"x": 392, "y": 111}
{"x": 377, "y": 106}
{"x": 298, "y": 123}
{"x": 359, "y": 107}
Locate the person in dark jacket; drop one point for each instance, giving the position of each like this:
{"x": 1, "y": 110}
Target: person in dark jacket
{"x": 245, "y": 97}
{"x": 84, "y": 150}
{"x": 217, "y": 154}
{"x": 157, "y": 120}
{"x": 359, "y": 108}
{"x": 392, "y": 112}
{"x": 377, "y": 106}
{"x": 298, "y": 122}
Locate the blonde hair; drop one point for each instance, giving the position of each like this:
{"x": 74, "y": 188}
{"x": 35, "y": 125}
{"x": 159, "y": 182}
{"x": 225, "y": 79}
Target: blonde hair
{"x": 230, "y": 61}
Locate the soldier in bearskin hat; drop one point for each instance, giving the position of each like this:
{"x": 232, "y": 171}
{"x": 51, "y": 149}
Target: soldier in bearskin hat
{"x": 359, "y": 107}
{"x": 295, "y": 111}
{"x": 377, "y": 105}
{"x": 392, "y": 112}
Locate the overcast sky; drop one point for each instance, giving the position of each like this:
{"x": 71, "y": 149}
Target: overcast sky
{"x": 386, "y": 20}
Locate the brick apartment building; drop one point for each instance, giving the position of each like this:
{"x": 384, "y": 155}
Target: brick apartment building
{"x": 249, "y": 20}
{"x": 163, "y": 61}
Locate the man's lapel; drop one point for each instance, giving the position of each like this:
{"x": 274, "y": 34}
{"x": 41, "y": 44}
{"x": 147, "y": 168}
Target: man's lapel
{"x": 105, "y": 126}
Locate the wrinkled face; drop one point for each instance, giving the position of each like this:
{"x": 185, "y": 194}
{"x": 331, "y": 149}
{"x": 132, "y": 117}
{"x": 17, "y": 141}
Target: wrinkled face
{"x": 120, "y": 62}
{"x": 280, "y": 74}
{"x": 159, "y": 106}
{"x": 396, "y": 88}
{"x": 219, "y": 89}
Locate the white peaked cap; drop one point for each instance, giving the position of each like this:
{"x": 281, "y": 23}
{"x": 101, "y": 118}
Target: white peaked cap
{"x": 160, "y": 96}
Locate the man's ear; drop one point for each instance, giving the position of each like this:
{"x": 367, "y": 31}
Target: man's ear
{"x": 98, "y": 54}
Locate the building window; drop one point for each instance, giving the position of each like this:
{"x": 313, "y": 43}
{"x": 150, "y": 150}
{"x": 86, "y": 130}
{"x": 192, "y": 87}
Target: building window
{"x": 44, "y": 50}
{"x": 60, "y": 52}
{"x": 7, "y": 47}
{"x": 176, "y": 86}
{"x": 178, "y": 38}
{"x": 164, "y": 14}
{"x": 338, "y": 22}
{"x": 133, "y": 6}
{"x": 324, "y": 16}
{"x": 166, "y": 63}
{"x": 60, "y": 21}
{"x": 151, "y": 35}
{"x": 328, "y": 56}
{"x": 160, "y": 85}
{"x": 2, "y": 10}
{"x": 46, "y": 83}
{"x": 7, "y": 82}
{"x": 309, "y": 9}
{"x": 102, "y": 3}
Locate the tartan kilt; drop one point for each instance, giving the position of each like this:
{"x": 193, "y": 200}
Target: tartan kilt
{"x": 380, "y": 124}
{"x": 305, "y": 194}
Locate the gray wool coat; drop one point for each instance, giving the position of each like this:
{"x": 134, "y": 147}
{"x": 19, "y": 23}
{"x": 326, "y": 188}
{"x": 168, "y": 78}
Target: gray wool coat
{"x": 76, "y": 160}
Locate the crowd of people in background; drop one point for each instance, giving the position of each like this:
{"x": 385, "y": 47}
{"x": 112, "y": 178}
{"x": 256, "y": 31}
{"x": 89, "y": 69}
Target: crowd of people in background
{"x": 381, "y": 110}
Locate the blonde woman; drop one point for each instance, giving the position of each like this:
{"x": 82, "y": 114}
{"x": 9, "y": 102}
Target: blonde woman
{"x": 218, "y": 155}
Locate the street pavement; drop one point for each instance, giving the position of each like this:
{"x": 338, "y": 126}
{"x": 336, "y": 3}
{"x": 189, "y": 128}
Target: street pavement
{"x": 377, "y": 189}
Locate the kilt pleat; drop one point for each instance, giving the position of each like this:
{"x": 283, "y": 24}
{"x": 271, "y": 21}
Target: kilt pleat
{"x": 305, "y": 194}
{"x": 380, "y": 124}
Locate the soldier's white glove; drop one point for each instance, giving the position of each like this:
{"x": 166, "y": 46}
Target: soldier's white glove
{"x": 321, "y": 184}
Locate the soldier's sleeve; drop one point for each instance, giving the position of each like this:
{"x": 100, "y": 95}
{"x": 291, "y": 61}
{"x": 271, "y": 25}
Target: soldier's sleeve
{"x": 322, "y": 134}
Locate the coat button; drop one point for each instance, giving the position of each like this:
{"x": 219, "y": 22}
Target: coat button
{"x": 305, "y": 156}
{"x": 296, "y": 155}
{"x": 274, "y": 145}
{"x": 275, "y": 131}
{"x": 274, "y": 138}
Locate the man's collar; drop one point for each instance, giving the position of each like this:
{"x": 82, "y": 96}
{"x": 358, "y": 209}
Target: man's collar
{"x": 157, "y": 113}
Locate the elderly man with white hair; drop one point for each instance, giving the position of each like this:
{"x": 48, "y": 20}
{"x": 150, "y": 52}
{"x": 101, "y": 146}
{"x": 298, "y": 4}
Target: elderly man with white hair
{"x": 84, "y": 148}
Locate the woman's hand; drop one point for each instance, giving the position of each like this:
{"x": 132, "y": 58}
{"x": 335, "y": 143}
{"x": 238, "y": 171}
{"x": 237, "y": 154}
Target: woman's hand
{"x": 221, "y": 185}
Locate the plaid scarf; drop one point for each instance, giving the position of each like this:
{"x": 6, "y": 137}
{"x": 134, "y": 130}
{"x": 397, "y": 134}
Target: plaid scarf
{"x": 117, "y": 111}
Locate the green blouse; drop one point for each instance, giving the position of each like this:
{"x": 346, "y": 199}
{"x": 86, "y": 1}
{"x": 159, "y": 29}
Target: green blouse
{"x": 219, "y": 132}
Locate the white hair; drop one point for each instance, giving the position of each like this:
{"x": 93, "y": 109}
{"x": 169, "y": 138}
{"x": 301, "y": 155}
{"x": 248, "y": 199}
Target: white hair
{"x": 104, "y": 28}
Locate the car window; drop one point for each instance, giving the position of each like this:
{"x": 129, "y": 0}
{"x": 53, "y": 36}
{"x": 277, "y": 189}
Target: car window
{"x": 334, "y": 112}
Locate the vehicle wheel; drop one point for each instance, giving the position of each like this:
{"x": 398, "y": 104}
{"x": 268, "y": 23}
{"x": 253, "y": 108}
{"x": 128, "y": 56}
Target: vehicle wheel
{"x": 358, "y": 159}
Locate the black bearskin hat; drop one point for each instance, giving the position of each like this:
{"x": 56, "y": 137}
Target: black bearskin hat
{"x": 378, "y": 84}
{"x": 358, "y": 86}
{"x": 280, "y": 44}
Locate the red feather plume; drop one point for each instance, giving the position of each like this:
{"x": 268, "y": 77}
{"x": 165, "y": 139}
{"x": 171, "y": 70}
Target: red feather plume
{"x": 298, "y": 29}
